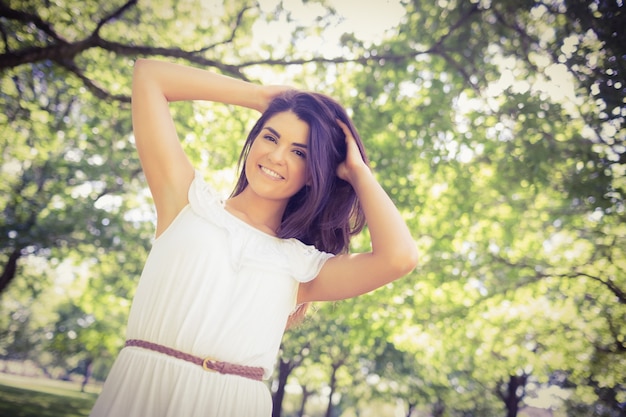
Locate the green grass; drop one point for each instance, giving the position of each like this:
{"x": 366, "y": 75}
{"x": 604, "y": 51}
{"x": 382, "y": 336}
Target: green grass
{"x": 29, "y": 397}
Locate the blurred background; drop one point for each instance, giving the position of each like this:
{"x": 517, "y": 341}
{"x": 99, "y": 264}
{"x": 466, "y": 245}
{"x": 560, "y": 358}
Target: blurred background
{"x": 497, "y": 127}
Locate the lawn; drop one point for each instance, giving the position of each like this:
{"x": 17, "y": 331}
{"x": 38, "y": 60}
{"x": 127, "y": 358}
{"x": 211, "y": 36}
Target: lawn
{"x": 33, "y": 397}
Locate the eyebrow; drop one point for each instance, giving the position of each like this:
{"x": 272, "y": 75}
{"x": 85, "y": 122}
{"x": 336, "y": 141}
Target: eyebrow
{"x": 275, "y": 132}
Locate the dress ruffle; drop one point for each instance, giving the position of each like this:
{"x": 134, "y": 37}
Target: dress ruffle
{"x": 257, "y": 249}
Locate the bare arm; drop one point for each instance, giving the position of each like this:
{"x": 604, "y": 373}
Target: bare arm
{"x": 165, "y": 165}
{"x": 393, "y": 255}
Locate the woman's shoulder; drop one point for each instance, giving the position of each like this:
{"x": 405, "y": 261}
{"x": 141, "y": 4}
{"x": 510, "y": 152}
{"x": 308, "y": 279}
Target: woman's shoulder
{"x": 201, "y": 192}
{"x": 305, "y": 260}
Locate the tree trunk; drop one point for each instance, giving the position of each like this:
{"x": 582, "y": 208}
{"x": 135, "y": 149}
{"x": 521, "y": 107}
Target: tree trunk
{"x": 332, "y": 385}
{"x": 10, "y": 269}
{"x": 514, "y": 394}
{"x": 86, "y": 373}
{"x": 410, "y": 410}
{"x": 284, "y": 369}
{"x": 438, "y": 408}
{"x": 305, "y": 396}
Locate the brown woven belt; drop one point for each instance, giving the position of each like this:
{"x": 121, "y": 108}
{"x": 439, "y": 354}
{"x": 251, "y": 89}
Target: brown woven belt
{"x": 208, "y": 364}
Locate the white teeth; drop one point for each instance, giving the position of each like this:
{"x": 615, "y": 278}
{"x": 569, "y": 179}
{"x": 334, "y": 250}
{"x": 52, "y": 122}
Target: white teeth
{"x": 271, "y": 173}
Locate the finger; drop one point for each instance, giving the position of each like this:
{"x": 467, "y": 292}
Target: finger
{"x": 345, "y": 128}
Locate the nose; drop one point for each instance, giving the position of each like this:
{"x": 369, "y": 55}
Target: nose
{"x": 277, "y": 155}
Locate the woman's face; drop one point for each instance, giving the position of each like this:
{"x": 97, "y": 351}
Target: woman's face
{"x": 276, "y": 164}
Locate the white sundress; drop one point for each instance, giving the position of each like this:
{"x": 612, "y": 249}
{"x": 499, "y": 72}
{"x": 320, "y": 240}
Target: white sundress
{"x": 214, "y": 286}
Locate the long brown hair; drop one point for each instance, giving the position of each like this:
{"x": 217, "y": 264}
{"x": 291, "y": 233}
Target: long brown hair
{"x": 326, "y": 212}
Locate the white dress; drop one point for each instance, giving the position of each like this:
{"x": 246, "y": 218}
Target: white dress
{"x": 212, "y": 286}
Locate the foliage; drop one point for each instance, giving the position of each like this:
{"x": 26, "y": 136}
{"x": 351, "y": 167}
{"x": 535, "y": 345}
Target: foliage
{"x": 496, "y": 126}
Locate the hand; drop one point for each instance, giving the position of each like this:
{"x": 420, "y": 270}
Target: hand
{"x": 354, "y": 163}
{"x": 267, "y": 94}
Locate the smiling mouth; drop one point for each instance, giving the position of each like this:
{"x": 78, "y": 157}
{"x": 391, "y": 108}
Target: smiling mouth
{"x": 271, "y": 173}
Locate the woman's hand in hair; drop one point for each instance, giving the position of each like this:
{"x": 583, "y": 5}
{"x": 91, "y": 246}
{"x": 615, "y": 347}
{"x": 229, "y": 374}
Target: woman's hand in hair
{"x": 354, "y": 164}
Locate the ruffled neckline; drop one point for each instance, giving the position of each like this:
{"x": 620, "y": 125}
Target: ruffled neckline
{"x": 246, "y": 224}
{"x": 249, "y": 245}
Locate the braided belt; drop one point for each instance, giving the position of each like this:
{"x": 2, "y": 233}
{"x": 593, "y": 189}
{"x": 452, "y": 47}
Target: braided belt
{"x": 208, "y": 364}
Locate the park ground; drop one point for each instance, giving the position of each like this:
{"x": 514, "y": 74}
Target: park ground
{"x": 37, "y": 396}
{"x": 26, "y": 396}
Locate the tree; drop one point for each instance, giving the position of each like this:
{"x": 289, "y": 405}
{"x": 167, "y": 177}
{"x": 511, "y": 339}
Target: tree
{"x": 514, "y": 189}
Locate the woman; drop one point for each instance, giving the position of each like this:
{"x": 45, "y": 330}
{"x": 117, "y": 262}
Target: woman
{"x": 224, "y": 276}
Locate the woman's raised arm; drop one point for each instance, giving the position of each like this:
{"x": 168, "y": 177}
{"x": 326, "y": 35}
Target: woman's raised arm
{"x": 394, "y": 252}
{"x": 165, "y": 165}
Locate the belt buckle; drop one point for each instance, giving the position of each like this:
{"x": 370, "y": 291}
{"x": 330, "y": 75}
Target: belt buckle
{"x": 207, "y": 363}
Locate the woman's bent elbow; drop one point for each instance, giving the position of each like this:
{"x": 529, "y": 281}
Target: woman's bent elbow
{"x": 404, "y": 262}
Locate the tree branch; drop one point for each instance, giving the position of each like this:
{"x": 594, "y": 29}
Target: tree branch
{"x": 24, "y": 17}
{"x": 10, "y": 269}
{"x": 64, "y": 53}
{"x": 460, "y": 22}
{"x": 617, "y": 291}
{"x": 144, "y": 50}
{"x": 574, "y": 273}
{"x": 113, "y": 15}
{"x": 91, "y": 86}
{"x": 5, "y": 38}
{"x": 232, "y": 33}
{"x": 459, "y": 69}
